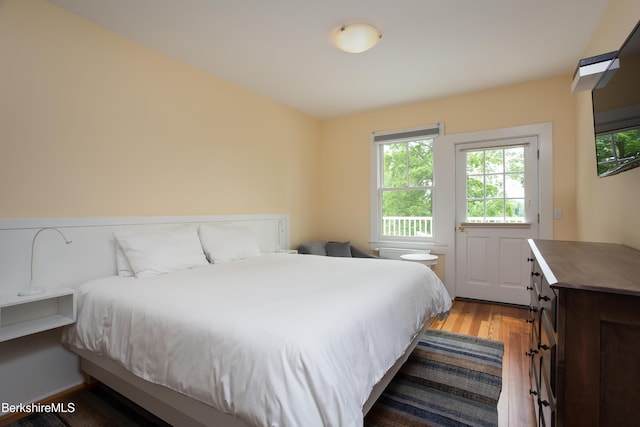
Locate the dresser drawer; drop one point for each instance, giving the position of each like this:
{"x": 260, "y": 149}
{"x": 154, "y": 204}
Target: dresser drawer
{"x": 547, "y": 349}
{"x": 534, "y": 292}
{"x": 546, "y": 402}
{"x": 534, "y": 342}
{"x": 534, "y": 391}
{"x": 546, "y": 297}
{"x": 536, "y": 274}
{"x": 534, "y": 310}
{"x": 549, "y": 302}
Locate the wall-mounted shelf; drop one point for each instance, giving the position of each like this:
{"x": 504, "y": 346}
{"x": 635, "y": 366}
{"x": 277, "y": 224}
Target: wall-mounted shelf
{"x": 25, "y": 315}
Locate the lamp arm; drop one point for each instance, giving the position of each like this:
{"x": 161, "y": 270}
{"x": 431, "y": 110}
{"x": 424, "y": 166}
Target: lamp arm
{"x": 33, "y": 244}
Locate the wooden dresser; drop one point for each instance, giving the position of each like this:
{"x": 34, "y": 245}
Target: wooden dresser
{"x": 585, "y": 334}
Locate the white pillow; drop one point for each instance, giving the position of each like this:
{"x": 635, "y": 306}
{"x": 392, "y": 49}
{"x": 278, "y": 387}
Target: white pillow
{"x": 228, "y": 243}
{"x": 152, "y": 252}
{"x": 122, "y": 263}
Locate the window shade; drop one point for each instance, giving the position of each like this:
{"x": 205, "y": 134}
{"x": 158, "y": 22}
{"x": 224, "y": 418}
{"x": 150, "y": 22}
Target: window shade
{"x": 408, "y": 134}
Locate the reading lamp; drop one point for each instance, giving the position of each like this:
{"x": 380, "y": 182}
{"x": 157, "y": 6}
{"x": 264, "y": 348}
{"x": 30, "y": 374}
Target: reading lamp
{"x": 32, "y": 291}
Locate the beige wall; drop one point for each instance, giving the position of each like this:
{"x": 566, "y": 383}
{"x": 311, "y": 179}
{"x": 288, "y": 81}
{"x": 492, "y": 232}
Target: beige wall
{"x": 345, "y": 147}
{"x": 607, "y": 207}
{"x": 92, "y": 124}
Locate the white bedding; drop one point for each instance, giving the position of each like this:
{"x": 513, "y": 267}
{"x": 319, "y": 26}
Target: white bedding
{"x": 276, "y": 340}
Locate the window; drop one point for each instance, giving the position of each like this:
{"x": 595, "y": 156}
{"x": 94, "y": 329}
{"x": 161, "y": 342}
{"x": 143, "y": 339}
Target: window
{"x": 402, "y": 206}
{"x": 617, "y": 151}
{"x": 495, "y": 185}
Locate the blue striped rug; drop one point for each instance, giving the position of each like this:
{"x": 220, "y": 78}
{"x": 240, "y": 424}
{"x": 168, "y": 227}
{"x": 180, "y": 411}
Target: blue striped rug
{"x": 449, "y": 380}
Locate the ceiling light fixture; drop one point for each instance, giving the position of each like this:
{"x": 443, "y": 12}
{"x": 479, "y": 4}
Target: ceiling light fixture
{"x": 356, "y": 38}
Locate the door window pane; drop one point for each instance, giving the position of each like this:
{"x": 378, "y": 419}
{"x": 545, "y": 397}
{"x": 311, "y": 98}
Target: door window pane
{"x": 495, "y": 185}
{"x": 495, "y": 211}
{"x": 475, "y": 162}
{"x": 475, "y": 187}
{"x": 514, "y": 159}
{"x": 514, "y": 210}
{"x": 475, "y": 211}
{"x": 494, "y": 161}
{"x": 514, "y": 185}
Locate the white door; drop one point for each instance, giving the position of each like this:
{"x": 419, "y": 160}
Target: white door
{"x": 496, "y": 211}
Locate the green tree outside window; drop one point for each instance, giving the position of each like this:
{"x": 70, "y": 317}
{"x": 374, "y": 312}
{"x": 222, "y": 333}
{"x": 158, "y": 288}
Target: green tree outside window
{"x": 407, "y": 187}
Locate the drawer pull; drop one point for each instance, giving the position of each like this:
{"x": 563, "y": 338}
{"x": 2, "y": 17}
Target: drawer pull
{"x": 533, "y": 392}
{"x": 530, "y": 259}
{"x": 529, "y": 288}
{"x": 543, "y": 402}
{"x": 543, "y": 346}
{"x": 543, "y": 298}
{"x": 529, "y": 320}
{"x": 532, "y": 353}
{"x": 533, "y": 309}
{"x": 535, "y": 273}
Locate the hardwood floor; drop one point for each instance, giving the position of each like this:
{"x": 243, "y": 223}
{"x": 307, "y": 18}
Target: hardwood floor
{"x": 506, "y": 324}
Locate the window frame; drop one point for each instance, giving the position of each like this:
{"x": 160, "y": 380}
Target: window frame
{"x": 504, "y": 198}
{"x": 378, "y": 141}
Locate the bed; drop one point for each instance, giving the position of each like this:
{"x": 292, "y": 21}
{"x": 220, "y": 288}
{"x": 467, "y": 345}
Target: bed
{"x": 253, "y": 338}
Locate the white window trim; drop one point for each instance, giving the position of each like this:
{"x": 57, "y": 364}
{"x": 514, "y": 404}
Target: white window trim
{"x": 544, "y": 134}
{"x": 531, "y": 147}
{"x": 445, "y": 167}
{"x": 444, "y": 177}
{"x": 377, "y": 240}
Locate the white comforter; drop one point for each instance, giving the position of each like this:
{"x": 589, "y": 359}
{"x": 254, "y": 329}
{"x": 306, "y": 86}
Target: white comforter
{"x": 277, "y": 340}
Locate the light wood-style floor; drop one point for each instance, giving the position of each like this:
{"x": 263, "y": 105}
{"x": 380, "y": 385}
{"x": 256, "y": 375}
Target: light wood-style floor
{"x": 507, "y": 324}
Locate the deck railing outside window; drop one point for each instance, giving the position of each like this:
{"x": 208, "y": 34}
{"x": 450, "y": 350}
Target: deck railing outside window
{"x": 407, "y": 226}
{"x": 495, "y": 220}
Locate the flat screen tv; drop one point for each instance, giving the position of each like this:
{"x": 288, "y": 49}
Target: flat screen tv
{"x": 616, "y": 110}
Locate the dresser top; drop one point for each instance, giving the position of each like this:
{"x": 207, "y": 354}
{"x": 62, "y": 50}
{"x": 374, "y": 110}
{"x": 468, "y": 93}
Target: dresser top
{"x": 602, "y": 267}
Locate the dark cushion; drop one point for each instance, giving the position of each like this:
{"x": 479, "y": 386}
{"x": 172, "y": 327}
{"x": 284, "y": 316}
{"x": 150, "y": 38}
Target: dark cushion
{"x": 342, "y": 249}
{"x": 357, "y": 253}
{"x": 319, "y": 247}
{"x": 313, "y": 248}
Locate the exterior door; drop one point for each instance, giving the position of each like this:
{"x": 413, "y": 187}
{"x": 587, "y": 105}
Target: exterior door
{"x": 496, "y": 211}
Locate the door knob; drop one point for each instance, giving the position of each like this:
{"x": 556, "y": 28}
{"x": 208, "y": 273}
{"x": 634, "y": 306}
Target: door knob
{"x": 461, "y": 229}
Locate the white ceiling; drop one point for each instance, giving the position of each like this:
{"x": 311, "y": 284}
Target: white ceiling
{"x": 430, "y": 49}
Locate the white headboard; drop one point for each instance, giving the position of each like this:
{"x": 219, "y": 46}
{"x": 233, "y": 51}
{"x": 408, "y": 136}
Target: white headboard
{"x": 92, "y": 253}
